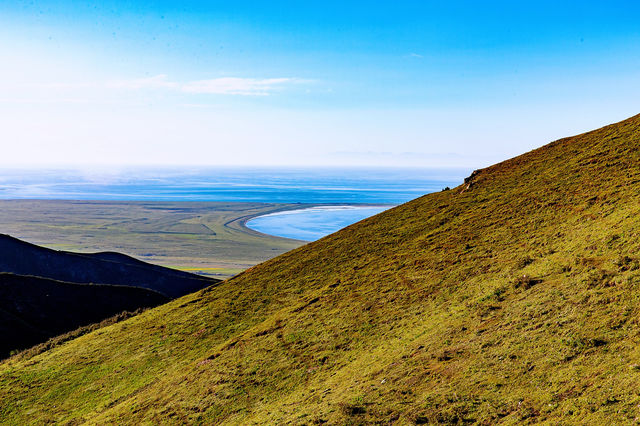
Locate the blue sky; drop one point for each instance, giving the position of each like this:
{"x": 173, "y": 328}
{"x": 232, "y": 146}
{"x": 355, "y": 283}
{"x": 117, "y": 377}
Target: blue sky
{"x": 431, "y": 84}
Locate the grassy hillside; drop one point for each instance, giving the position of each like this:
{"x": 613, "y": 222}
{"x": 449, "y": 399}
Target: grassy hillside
{"x": 34, "y": 309}
{"x": 513, "y": 297}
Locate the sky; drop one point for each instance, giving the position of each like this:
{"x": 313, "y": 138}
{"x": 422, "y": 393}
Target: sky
{"x": 429, "y": 84}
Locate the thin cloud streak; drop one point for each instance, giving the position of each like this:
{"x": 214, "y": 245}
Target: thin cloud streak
{"x": 160, "y": 81}
{"x": 236, "y": 86}
{"x": 215, "y": 86}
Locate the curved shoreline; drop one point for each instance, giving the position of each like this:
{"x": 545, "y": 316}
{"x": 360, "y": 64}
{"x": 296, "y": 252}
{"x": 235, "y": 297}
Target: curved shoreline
{"x": 333, "y": 207}
{"x": 241, "y": 222}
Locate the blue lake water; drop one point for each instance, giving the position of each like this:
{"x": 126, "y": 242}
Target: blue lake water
{"x": 234, "y": 184}
{"x": 312, "y": 223}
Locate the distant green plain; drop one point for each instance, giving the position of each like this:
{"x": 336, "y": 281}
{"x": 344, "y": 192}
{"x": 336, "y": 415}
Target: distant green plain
{"x": 208, "y": 238}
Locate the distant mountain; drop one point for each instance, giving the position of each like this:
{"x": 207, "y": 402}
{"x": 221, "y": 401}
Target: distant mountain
{"x": 513, "y": 298}
{"x": 19, "y": 257}
{"x": 34, "y": 309}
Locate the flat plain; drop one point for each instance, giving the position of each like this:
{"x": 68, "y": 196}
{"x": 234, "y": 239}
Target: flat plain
{"x": 208, "y": 238}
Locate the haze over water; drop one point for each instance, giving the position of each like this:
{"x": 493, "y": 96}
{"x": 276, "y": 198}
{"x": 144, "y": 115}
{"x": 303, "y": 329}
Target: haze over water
{"x": 372, "y": 186}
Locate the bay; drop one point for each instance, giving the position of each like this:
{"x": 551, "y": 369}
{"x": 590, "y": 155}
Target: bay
{"x": 312, "y": 223}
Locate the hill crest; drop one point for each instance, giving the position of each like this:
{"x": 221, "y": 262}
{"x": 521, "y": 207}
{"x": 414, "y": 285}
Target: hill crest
{"x": 23, "y": 258}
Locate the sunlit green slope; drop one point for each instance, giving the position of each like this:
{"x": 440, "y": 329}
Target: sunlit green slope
{"x": 513, "y": 297}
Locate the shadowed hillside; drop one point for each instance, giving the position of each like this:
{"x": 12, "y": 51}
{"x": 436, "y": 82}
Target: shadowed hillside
{"x": 34, "y": 309}
{"x": 22, "y": 258}
{"x": 44, "y": 293}
{"x": 514, "y": 297}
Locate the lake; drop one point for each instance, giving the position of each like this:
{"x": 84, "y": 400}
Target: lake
{"x": 312, "y": 223}
{"x": 338, "y": 186}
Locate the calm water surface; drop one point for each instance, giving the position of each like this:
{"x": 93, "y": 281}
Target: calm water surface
{"x": 312, "y": 223}
{"x": 313, "y": 185}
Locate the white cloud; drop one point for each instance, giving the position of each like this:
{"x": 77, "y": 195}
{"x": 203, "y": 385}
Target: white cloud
{"x": 108, "y": 91}
{"x": 215, "y": 86}
{"x": 156, "y": 82}
{"x": 236, "y": 86}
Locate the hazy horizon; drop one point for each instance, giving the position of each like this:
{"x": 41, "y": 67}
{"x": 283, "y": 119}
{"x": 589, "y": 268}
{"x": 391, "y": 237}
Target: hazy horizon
{"x": 229, "y": 184}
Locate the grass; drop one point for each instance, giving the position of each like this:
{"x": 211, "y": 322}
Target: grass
{"x": 513, "y": 298}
